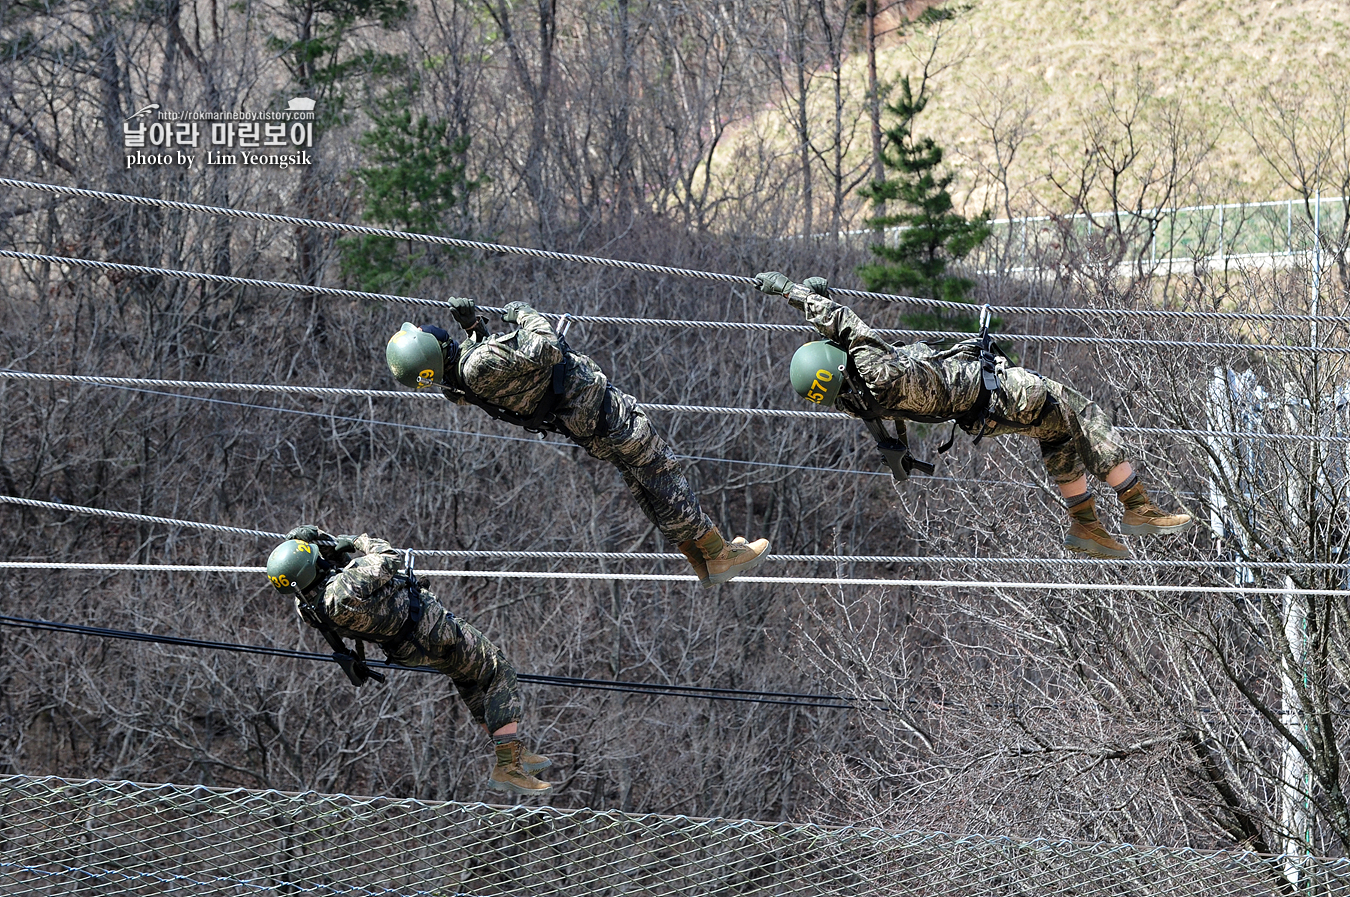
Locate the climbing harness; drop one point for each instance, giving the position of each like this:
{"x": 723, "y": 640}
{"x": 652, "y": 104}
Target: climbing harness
{"x": 895, "y": 449}
{"x": 352, "y": 661}
{"x": 978, "y": 415}
{"x": 405, "y": 632}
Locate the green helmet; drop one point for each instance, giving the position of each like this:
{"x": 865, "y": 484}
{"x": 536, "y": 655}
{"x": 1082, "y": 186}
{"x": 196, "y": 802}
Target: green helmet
{"x": 293, "y": 565}
{"x": 818, "y": 371}
{"x": 415, "y": 358}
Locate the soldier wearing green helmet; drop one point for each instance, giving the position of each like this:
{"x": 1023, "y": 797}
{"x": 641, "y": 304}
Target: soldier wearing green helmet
{"x": 361, "y": 588}
{"x": 531, "y": 378}
{"x": 973, "y": 385}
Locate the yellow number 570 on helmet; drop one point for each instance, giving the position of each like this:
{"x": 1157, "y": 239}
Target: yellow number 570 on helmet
{"x": 817, "y": 371}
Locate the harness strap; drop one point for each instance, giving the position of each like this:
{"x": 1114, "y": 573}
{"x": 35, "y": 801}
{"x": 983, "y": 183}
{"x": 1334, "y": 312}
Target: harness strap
{"x": 353, "y": 663}
{"x": 894, "y": 449}
{"x": 988, "y": 385}
{"x": 415, "y": 607}
{"x": 542, "y": 419}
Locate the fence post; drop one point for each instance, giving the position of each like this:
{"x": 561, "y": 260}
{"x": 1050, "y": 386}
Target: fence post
{"x": 1220, "y": 233}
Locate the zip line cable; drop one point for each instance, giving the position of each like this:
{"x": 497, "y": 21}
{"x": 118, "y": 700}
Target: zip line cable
{"x": 286, "y": 287}
{"x": 655, "y": 689}
{"x": 983, "y": 585}
{"x": 796, "y": 699}
{"x": 332, "y": 391}
{"x": 739, "y": 280}
{"x": 657, "y": 556}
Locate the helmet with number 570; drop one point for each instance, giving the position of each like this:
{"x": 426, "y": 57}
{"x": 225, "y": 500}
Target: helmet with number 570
{"x": 293, "y": 565}
{"x": 415, "y": 357}
{"x": 817, "y": 371}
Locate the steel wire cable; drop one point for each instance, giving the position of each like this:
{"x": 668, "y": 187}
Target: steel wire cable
{"x": 740, "y": 280}
{"x": 650, "y": 406}
{"x": 660, "y": 556}
{"x": 366, "y": 421}
{"x": 796, "y": 699}
{"x": 283, "y": 286}
{"x": 982, "y": 584}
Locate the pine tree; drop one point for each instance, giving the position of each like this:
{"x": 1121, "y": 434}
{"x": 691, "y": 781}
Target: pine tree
{"x": 932, "y": 234}
{"x": 415, "y": 179}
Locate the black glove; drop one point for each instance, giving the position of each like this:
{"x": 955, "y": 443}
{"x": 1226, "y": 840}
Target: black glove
{"x": 441, "y": 335}
{"x": 465, "y": 312}
{"x": 818, "y": 285}
{"x": 511, "y": 314}
{"x": 773, "y": 283}
{"x": 308, "y": 533}
{"x": 345, "y": 545}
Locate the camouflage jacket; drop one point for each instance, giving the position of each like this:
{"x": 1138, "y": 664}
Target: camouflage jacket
{"x": 367, "y": 599}
{"x": 515, "y": 370}
{"x": 912, "y": 382}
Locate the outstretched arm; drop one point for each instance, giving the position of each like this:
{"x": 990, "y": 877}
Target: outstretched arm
{"x": 535, "y": 337}
{"x": 526, "y": 318}
{"x": 834, "y": 321}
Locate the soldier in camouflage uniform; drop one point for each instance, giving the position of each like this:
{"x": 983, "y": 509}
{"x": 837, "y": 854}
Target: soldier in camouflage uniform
{"x": 917, "y": 383}
{"x": 373, "y": 598}
{"x": 531, "y": 378}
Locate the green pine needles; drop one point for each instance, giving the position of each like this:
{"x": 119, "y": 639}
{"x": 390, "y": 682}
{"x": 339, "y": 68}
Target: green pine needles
{"x": 415, "y": 179}
{"x": 931, "y": 234}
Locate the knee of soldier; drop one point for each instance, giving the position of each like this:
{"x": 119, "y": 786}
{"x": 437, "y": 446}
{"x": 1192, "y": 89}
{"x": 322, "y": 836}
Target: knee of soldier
{"x": 1061, "y": 460}
{"x": 1055, "y": 446}
{"x": 635, "y": 447}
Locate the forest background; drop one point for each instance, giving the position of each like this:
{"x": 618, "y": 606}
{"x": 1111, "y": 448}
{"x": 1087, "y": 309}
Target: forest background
{"x": 721, "y": 136}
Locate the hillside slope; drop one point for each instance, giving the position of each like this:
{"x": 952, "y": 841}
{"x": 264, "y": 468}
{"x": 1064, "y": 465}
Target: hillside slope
{"x": 1033, "y": 82}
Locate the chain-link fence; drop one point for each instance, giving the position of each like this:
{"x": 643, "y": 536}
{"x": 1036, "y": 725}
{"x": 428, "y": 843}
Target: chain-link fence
{"x": 92, "y": 837}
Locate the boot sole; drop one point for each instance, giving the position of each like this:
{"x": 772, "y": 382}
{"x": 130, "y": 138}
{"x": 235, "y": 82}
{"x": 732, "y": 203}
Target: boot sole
{"x": 1152, "y": 529}
{"x": 532, "y": 768}
{"x": 1094, "y": 549}
{"x": 719, "y": 578}
{"x": 507, "y": 788}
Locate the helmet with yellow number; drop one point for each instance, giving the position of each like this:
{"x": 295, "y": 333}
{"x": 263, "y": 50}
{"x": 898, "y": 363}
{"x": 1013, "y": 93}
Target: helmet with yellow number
{"x": 415, "y": 357}
{"x": 817, "y": 371}
{"x": 293, "y": 565}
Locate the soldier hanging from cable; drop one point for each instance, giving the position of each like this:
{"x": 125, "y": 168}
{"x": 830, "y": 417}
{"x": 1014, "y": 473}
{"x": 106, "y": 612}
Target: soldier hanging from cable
{"x": 530, "y": 378}
{"x": 376, "y": 597}
{"x": 972, "y": 385}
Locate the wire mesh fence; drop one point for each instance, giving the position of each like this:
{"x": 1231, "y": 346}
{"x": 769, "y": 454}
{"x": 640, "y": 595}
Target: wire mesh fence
{"x": 66, "y": 837}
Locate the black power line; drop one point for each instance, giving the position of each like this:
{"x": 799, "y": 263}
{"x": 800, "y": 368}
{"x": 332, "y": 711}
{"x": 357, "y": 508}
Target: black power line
{"x": 794, "y": 699}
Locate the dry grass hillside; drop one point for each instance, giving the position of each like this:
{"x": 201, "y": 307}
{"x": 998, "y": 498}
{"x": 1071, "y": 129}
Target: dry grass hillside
{"x": 1023, "y": 90}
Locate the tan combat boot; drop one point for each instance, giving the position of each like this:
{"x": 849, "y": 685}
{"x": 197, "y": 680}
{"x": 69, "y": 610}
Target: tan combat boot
{"x": 510, "y": 775}
{"x": 1088, "y": 536}
{"x": 1143, "y": 518}
{"x": 689, "y": 548}
{"x": 532, "y": 762}
{"x": 726, "y": 560}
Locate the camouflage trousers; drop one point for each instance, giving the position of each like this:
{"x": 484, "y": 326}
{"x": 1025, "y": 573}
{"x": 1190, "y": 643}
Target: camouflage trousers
{"x": 649, "y": 469}
{"x": 1074, "y": 433}
{"x": 485, "y": 679}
